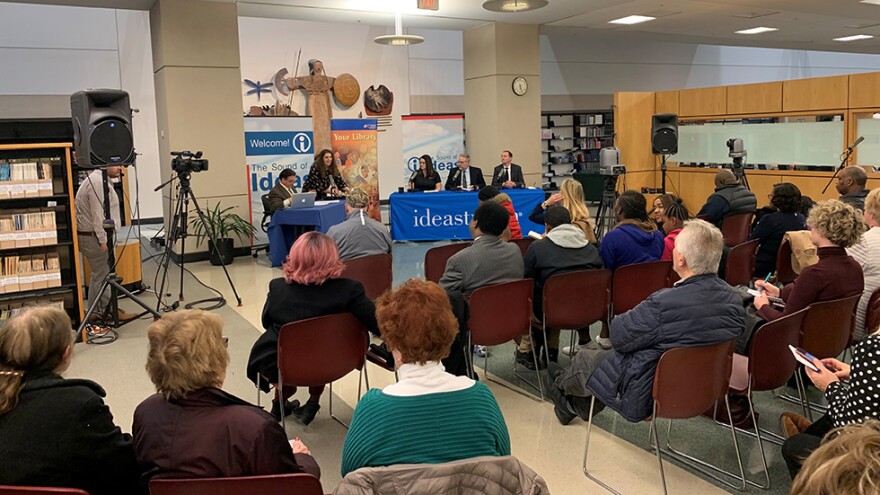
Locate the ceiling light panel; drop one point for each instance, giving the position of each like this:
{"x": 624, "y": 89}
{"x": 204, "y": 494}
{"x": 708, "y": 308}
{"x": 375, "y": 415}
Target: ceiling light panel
{"x": 757, "y": 30}
{"x": 632, "y": 19}
{"x": 855, "y": 37}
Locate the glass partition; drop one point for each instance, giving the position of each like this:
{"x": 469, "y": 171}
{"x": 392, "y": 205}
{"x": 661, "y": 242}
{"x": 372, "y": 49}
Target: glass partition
{"x": 802, "y": 141}
{"x": 868, "y": 126}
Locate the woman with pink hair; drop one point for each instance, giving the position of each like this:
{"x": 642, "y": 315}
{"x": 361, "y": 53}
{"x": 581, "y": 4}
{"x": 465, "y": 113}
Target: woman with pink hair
{"x": 311, "y": 287}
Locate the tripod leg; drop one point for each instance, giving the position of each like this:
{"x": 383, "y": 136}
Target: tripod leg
{"x": 214, "y": 241}
{"x": 170, "y": 239}
{"x": 116, "y": 286}
{"x": 183, "y": 218}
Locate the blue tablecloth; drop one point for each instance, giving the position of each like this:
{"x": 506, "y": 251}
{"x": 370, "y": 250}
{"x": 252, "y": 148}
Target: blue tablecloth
{"x": 282, "y": 229}
{"x": 444, "y": 215}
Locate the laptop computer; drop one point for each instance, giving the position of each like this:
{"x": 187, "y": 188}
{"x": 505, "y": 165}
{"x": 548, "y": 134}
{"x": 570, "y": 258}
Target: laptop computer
{"x": 302, "y": 200}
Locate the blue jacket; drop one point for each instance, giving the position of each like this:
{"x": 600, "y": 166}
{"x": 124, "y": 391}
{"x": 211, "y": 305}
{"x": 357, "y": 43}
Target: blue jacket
{"x": 698, "y": 311}
{"x": 628, "y": 244}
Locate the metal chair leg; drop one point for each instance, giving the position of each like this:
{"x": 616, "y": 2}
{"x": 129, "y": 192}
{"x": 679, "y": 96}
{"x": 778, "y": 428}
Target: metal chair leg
{"x": 802, "y": 393}
{"x": 511, "y": 387}
{"x": 587, "y": 451}
{"x": 280, "y": 389}
{"x": 659, "y": 454}
{"x": 343, "y": 423}
{"x": 760, "y": 446}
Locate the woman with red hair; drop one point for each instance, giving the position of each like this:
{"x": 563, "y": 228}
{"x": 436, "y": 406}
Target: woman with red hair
{"x": 311, "y": 287}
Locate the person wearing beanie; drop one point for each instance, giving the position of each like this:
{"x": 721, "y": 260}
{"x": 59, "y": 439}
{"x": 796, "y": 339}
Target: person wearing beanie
{"x": 359, "y": 235}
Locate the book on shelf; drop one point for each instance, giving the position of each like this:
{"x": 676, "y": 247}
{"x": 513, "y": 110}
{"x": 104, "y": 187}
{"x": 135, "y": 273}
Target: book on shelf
{"x": 25, "y": 179}
{"x": 10, "y": 310}
{"x": 27, "y": 228}
{"x": 29, "y": 272}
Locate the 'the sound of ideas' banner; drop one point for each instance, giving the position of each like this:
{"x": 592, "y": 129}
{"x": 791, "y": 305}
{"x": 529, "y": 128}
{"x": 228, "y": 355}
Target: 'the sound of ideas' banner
{"x": 271, "y": 145}
{"x": 356, "y": 152}
{"x": 439, "y": 136}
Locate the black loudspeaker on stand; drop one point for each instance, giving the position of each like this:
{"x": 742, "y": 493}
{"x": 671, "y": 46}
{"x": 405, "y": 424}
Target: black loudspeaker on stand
{"x": 664, "y": 140}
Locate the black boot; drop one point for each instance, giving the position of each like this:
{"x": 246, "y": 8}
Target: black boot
{"x": 554, "y": 355}
{"x": 306, "y": 414}
{"x": 525, "y": 359}
{"x": 289, "y": 406}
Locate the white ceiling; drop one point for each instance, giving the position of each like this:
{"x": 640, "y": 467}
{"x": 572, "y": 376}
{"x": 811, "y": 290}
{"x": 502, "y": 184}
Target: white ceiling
{"x": 802, "y": 24}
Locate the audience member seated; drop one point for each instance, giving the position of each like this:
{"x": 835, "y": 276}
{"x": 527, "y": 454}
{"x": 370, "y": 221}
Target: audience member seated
{"x": 635, "y": 238}
{"x": 672, "y": 221}
{"x": 571, "y": 197}
{"x": 852, "y": 397}
{"x": 359, "y": 235}
{"x": 847, "y": 462}
{"x": 851, "y": 183}
{"x": 786, "y": 199}
{"x": 491, "y": 193}
{"x": 659, "y": 205}
{"x": 279, "y": 196}
{"x": 311, "y": 287}
{"x": 730, "y": 198}
{"x": 489, "y": 260}
{"x": 429, "y": 416}
{"x": 867, "y": 254}
{"x": 699, "y": 310}
{"x": 324, "y": 177}
{"x": 425, "y": 178}
{"x": 193, "y": 429}
{"x": 56, "y": 432}
{"x": 563, "y": 249}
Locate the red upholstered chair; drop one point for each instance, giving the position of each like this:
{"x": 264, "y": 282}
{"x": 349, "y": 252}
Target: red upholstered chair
{"x": 276, "y": 484}
{"x": 321, "y": 350}
{"x": 740, "y": 267}
{"x": 498, "y": 314}
{"x": 565, "y": 309}
{"x": 634, "y": 283}
{"x": 687, "y": 382}
{"x": 784, "y": 272}
{"x": 435, "y": 259}
{"x": 374, "y": 272}
{"x": 40, "y": 490}
{"x": 523, "y": 244}
{"x": 736, "y": 228}
{"x": 768, "y": 366}
{"x": 872, "y": 315}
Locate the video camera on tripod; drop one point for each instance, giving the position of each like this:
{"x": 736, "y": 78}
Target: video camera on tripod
{"x": 185, "y": 162}
{"x": 737, "y": 151}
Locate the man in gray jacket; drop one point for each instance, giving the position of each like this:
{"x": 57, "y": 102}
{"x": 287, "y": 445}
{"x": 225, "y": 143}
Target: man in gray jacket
{"x": 730, "y": 198}
{"x": 563, "y": 249}
{"x": 359, "y": 235}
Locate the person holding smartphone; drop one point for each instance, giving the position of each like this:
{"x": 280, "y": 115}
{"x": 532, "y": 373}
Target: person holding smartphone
{"x": 851, "y": 391}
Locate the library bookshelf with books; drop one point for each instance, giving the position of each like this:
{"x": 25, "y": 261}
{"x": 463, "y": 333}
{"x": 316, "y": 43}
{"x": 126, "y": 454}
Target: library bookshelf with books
{"x": 572, "y": 140}
{"x": 39, "y": 261}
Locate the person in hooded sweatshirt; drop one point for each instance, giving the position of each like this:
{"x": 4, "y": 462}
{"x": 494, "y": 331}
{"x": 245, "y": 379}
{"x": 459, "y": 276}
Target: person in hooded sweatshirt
{"x": 563, "y": 249}
{"x": 635, "y": 238}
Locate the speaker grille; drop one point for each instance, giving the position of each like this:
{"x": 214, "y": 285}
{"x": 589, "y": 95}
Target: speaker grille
{"x": 665, "y": 141}
{"x": 111, "y": 143}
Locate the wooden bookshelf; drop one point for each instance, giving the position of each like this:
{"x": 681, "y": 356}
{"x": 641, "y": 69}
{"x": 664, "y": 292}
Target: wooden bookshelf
{"x": 571, "y": 141}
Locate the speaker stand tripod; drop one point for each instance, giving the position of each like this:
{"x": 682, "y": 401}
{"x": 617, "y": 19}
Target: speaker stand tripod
{"x": 112, "y": 282}
{"x": 605, "y": 216}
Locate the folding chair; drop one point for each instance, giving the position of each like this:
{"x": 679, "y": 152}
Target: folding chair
{"x": 275, "y": 484}
{"x": 736, "y": 228}
{"x": 373, "y": 271}
{"x": 435, "y": 259}
{"x": 740, "y": 267}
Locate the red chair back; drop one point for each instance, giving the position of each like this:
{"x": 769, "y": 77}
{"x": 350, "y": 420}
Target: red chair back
{"x": 741, "y": 263}
{"x": 634, "y": 283}
{"x": 321, "y": 350}
{"x": 435, "y": 259}
{"x": 40, "y": 490}
{"x": 276, "y": 484}
{"x": 771, "y": 363}
{"x": 523, "y": 244}
{"x": 563, "y": 302}
{"x": 872, "y": 313}
{"x": 736, "y": 228}
{"x": 500, "y": 312}
{"x": 828, "y": 328}
{"x": 784, "y": 272}
{"x": 374, "y": 272}
{"x": 689, "y": 380}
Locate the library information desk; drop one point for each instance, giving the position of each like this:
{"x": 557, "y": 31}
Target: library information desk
{"x": 445, "y": 215}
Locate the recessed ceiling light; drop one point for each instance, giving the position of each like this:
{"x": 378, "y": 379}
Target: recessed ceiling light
{"x": 854, "y": 37}
{"x": 632, "y": 19}
{"x": 757, "y": 30}
{"x": 514, "y": 5}
{"x": 872, "y": 2}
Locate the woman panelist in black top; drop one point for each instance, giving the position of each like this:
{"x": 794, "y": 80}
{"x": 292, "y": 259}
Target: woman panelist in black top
{"x": 425, "y": 178}
{"x": 324, "y": 178}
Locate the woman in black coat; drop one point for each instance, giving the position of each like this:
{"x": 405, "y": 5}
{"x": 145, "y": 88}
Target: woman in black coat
{"x": 771, "y": 228}
{"x": 311, "y": 287}
{"x": 56, "y": 432}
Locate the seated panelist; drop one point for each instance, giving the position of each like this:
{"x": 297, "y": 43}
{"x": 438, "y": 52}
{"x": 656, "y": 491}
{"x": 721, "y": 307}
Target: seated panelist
{"x": 279, "y": 196}
{"x": 465, "y": 177}
{"x": 425, "y": 178}
{"x": 508, "y": 174}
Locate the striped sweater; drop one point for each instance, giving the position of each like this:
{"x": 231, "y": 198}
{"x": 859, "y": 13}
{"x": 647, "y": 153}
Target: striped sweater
{"x": 424, "y": 429}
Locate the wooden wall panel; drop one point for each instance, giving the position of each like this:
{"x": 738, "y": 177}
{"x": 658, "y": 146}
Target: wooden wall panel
{"x": 818, "y": 93}
{"x": 632, "y": 124}
{"x": 754, "y": 98}
{"x": 666, "y": 102}
{"x": 864, "y": 90}
{"x": 702, "y": 101}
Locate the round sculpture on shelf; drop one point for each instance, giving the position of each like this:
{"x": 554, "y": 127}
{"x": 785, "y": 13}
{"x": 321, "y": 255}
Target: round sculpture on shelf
{"x": 346, "y": 89}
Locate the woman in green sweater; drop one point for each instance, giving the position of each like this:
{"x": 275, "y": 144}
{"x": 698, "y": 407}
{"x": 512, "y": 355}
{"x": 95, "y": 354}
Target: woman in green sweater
{"x": 429, "y": 416}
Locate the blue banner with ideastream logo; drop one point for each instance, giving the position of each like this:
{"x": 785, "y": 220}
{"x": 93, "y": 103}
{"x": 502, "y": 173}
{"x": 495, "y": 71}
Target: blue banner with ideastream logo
{"x": 431, "y": 216}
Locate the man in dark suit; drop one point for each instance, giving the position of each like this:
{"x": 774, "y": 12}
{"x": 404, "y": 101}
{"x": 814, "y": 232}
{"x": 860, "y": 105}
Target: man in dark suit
{"x": 508, "y": 174}
{"x": 279, "y": 196}
{"x": 465, "y": 177}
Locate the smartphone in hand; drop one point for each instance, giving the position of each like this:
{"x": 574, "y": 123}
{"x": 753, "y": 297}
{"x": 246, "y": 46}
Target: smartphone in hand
{"x": 803, "y": 357}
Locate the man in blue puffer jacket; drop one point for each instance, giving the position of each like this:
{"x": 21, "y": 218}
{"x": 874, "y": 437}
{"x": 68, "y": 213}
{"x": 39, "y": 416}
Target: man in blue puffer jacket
{"x": 699, "y": 310}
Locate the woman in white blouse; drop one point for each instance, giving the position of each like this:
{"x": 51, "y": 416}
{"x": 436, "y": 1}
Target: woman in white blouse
{"x": 867, "y": 253}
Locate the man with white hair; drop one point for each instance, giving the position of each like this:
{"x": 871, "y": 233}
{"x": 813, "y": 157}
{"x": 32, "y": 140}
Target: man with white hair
{"x": 699, "y": 310}
{"x": 359, "y": 235}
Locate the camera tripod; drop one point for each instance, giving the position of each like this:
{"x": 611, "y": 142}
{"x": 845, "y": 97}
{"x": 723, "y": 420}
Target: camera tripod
{"x": 605, "y": 217}
{"x": 177, "y": 231}
{"x": 111, "y": 281}
{"x": 739, "y": 172}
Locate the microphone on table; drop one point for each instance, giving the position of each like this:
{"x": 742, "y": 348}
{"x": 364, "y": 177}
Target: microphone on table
{"x": 455, "y": 176}
{"x": 413, "y": 176}
{"x": 855, "y": 143}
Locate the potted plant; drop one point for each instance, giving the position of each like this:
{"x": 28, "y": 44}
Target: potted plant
{"x": 221, "y": 225}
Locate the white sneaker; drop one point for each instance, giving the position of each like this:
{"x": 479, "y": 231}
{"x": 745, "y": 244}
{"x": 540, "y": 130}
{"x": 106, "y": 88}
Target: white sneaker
{"x": 604, "y": 343}
{"x": 569, "y": 350}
